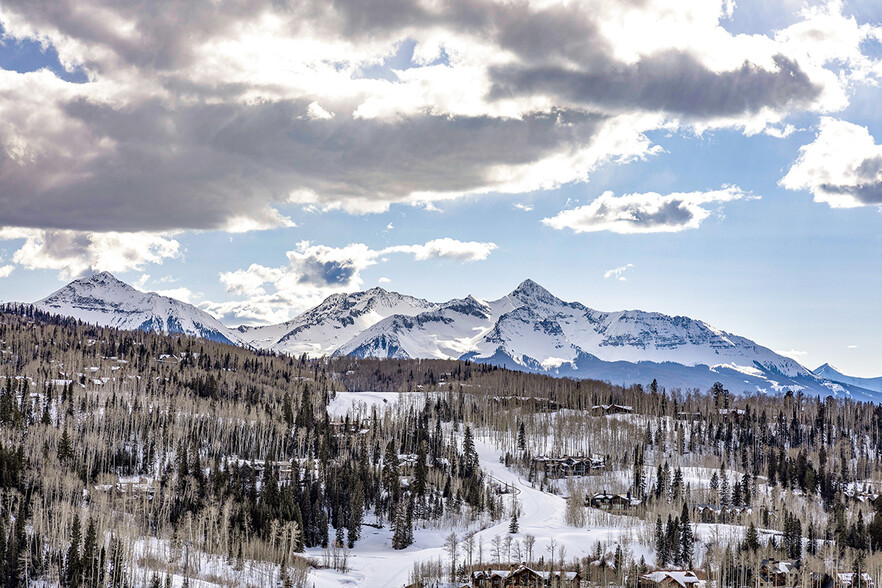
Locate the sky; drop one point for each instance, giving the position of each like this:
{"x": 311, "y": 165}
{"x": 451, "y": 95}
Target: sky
{"x": 719, "y": 160}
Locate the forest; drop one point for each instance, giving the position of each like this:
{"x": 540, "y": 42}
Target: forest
{"x": 134, "y": 459}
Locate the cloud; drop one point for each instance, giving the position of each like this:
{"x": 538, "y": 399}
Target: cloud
{"x": 314, "y": 272}
{"x": 383, "y": 280}
{"x": 852, "y": 346}
{"x": 842, "y": 167}
{"x": 6, "y": 270}
{"x": 643, "y": 213}
{"x": 74, "y": 253}
{"x": 446, "y": 248}
{"x": 524, "y": 207}
{"x": 215, "y": 114}
{"x": 618, "y": 273}
{"x": 792, "y": 354}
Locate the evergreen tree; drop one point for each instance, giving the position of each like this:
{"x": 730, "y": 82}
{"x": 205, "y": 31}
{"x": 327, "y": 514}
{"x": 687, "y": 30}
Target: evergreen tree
{"x": 751, "y": 538}
{"x": 513, "y": 526}
{"x": 74, "y": 570}
{"x": 687, "y": 538}
{"x": 661, "y": 545}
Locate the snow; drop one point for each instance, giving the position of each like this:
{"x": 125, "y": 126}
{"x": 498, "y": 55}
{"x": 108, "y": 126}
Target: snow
{"x": 373, "y": 562}
{"x": 528, "y": 328}
{"x": 103, "y": 300}
{"x": 360, "y": 404}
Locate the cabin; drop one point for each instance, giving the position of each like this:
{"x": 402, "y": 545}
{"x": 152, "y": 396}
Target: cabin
{"x": 614, "y": 502}
{"x": 670, "y": 579}
{"x": 560, "y": 467}
{"x": 489, "y": 578}
{"x": 775, "y": 573}
{"x": 608, "y": 409}
{"x": 709, "y": 513}
{"x": 523, "y": 576}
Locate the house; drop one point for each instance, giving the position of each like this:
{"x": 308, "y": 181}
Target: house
{"x": 489, "y": 578}
{"x": 847, "y": 580}
{"x": 774, "y": 573}
{"x": 614, "y": 502}
{"x": 670, "y": 579}
{"x": 608, "y": 409}
{"x": 841, "y": 580}
{"x": 523, "y": 576}
{"x": 559, "y": 467}
{"x": 709, "y": 513}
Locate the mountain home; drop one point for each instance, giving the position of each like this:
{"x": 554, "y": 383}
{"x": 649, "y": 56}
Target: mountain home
{"x": 614, "y": 502}
{"x": 670, "y": 579}
{"x": 775, "y": 573}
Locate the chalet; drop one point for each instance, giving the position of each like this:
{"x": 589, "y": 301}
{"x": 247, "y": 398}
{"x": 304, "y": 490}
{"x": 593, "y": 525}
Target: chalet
{"x": 775, "y": 573}
{"x": 489, "y": 578}
{"x": 733, "y": 413}
{"x": 614, "y": 502}
{"x": 608, "y": 409}
{"x": 841, "y": 580}
{"x": 524, "y": 576}
{"x": 847, "y": 580}
{"x": 670, "y": 579}
{"x": 559, "y": 467}
{"x": 709, "y": 513}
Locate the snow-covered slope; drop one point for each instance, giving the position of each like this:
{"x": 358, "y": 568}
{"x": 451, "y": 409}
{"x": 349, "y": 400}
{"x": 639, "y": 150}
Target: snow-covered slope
{"x": 531, "y": 329}
{"x": 103, "y": 300}
{"x": 528, "y": 329}
{"x": 339, "y": 318}
{"x": 831, "y": 373}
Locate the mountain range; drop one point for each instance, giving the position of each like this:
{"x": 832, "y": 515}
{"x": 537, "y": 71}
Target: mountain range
{"x": 529, "y": 329}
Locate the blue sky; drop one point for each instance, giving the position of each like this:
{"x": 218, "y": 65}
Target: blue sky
{"x": 644, "y": 168}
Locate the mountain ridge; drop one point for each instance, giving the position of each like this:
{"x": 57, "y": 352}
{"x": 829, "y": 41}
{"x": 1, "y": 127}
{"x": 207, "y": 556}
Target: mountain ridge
{"x": 529, "y": 329}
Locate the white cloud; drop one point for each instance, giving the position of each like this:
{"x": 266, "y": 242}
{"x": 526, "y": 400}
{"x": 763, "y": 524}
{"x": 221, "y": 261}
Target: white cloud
{"x": 383, "y": 280}
{"x": 314, "y": 272}
{"x": 852, "y": 346}
{"x": 792, "y": 354}
{"x": 446, "y": 248}
{"x": 842, "y": 167}
{"x": 643, "y": 213}
{"x": 6, "y": 270}
{"x": 618, "y": 273}
{"x": 524, "y": 207}
{"x": 210, "y": 119}
{"x": 182, "y": 294}
{"x": 74, "y": 253}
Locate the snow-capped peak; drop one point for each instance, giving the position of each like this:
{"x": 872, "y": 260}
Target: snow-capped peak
{"x": 104, "y": 300}
{"x": 529, "y": 292}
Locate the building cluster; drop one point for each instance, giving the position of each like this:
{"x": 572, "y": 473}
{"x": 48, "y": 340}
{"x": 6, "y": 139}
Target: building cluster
{"x": 568, "y": 465}
{"x": 613, "y": 502}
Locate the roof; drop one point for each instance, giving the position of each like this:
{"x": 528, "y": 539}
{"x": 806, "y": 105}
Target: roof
{"x": 682, "y": 577}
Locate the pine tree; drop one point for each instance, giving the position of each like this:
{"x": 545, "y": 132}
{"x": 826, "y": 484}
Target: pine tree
{"x": 356, "y": 515}
{"x": 661, "y": 546}
{"x": 751, "y": 538}
{"x": 74, "y": 570}
{"x": 687, "y": 538}
{"x": 513, "y": 526}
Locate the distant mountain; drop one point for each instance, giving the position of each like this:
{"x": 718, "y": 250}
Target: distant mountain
{"x": 103, "y": 300}
{"x": 529, "y": 329}
{"x": 339, "y": 318}
{"x": 831, "y": 373}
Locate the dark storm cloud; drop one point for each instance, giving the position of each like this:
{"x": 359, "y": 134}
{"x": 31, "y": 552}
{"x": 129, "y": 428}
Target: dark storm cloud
{"x": 192, "y": 153}
{"x": 198, "y": 166}
{"x": 673, "y": 82}
{"x": 865, "y": 193}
